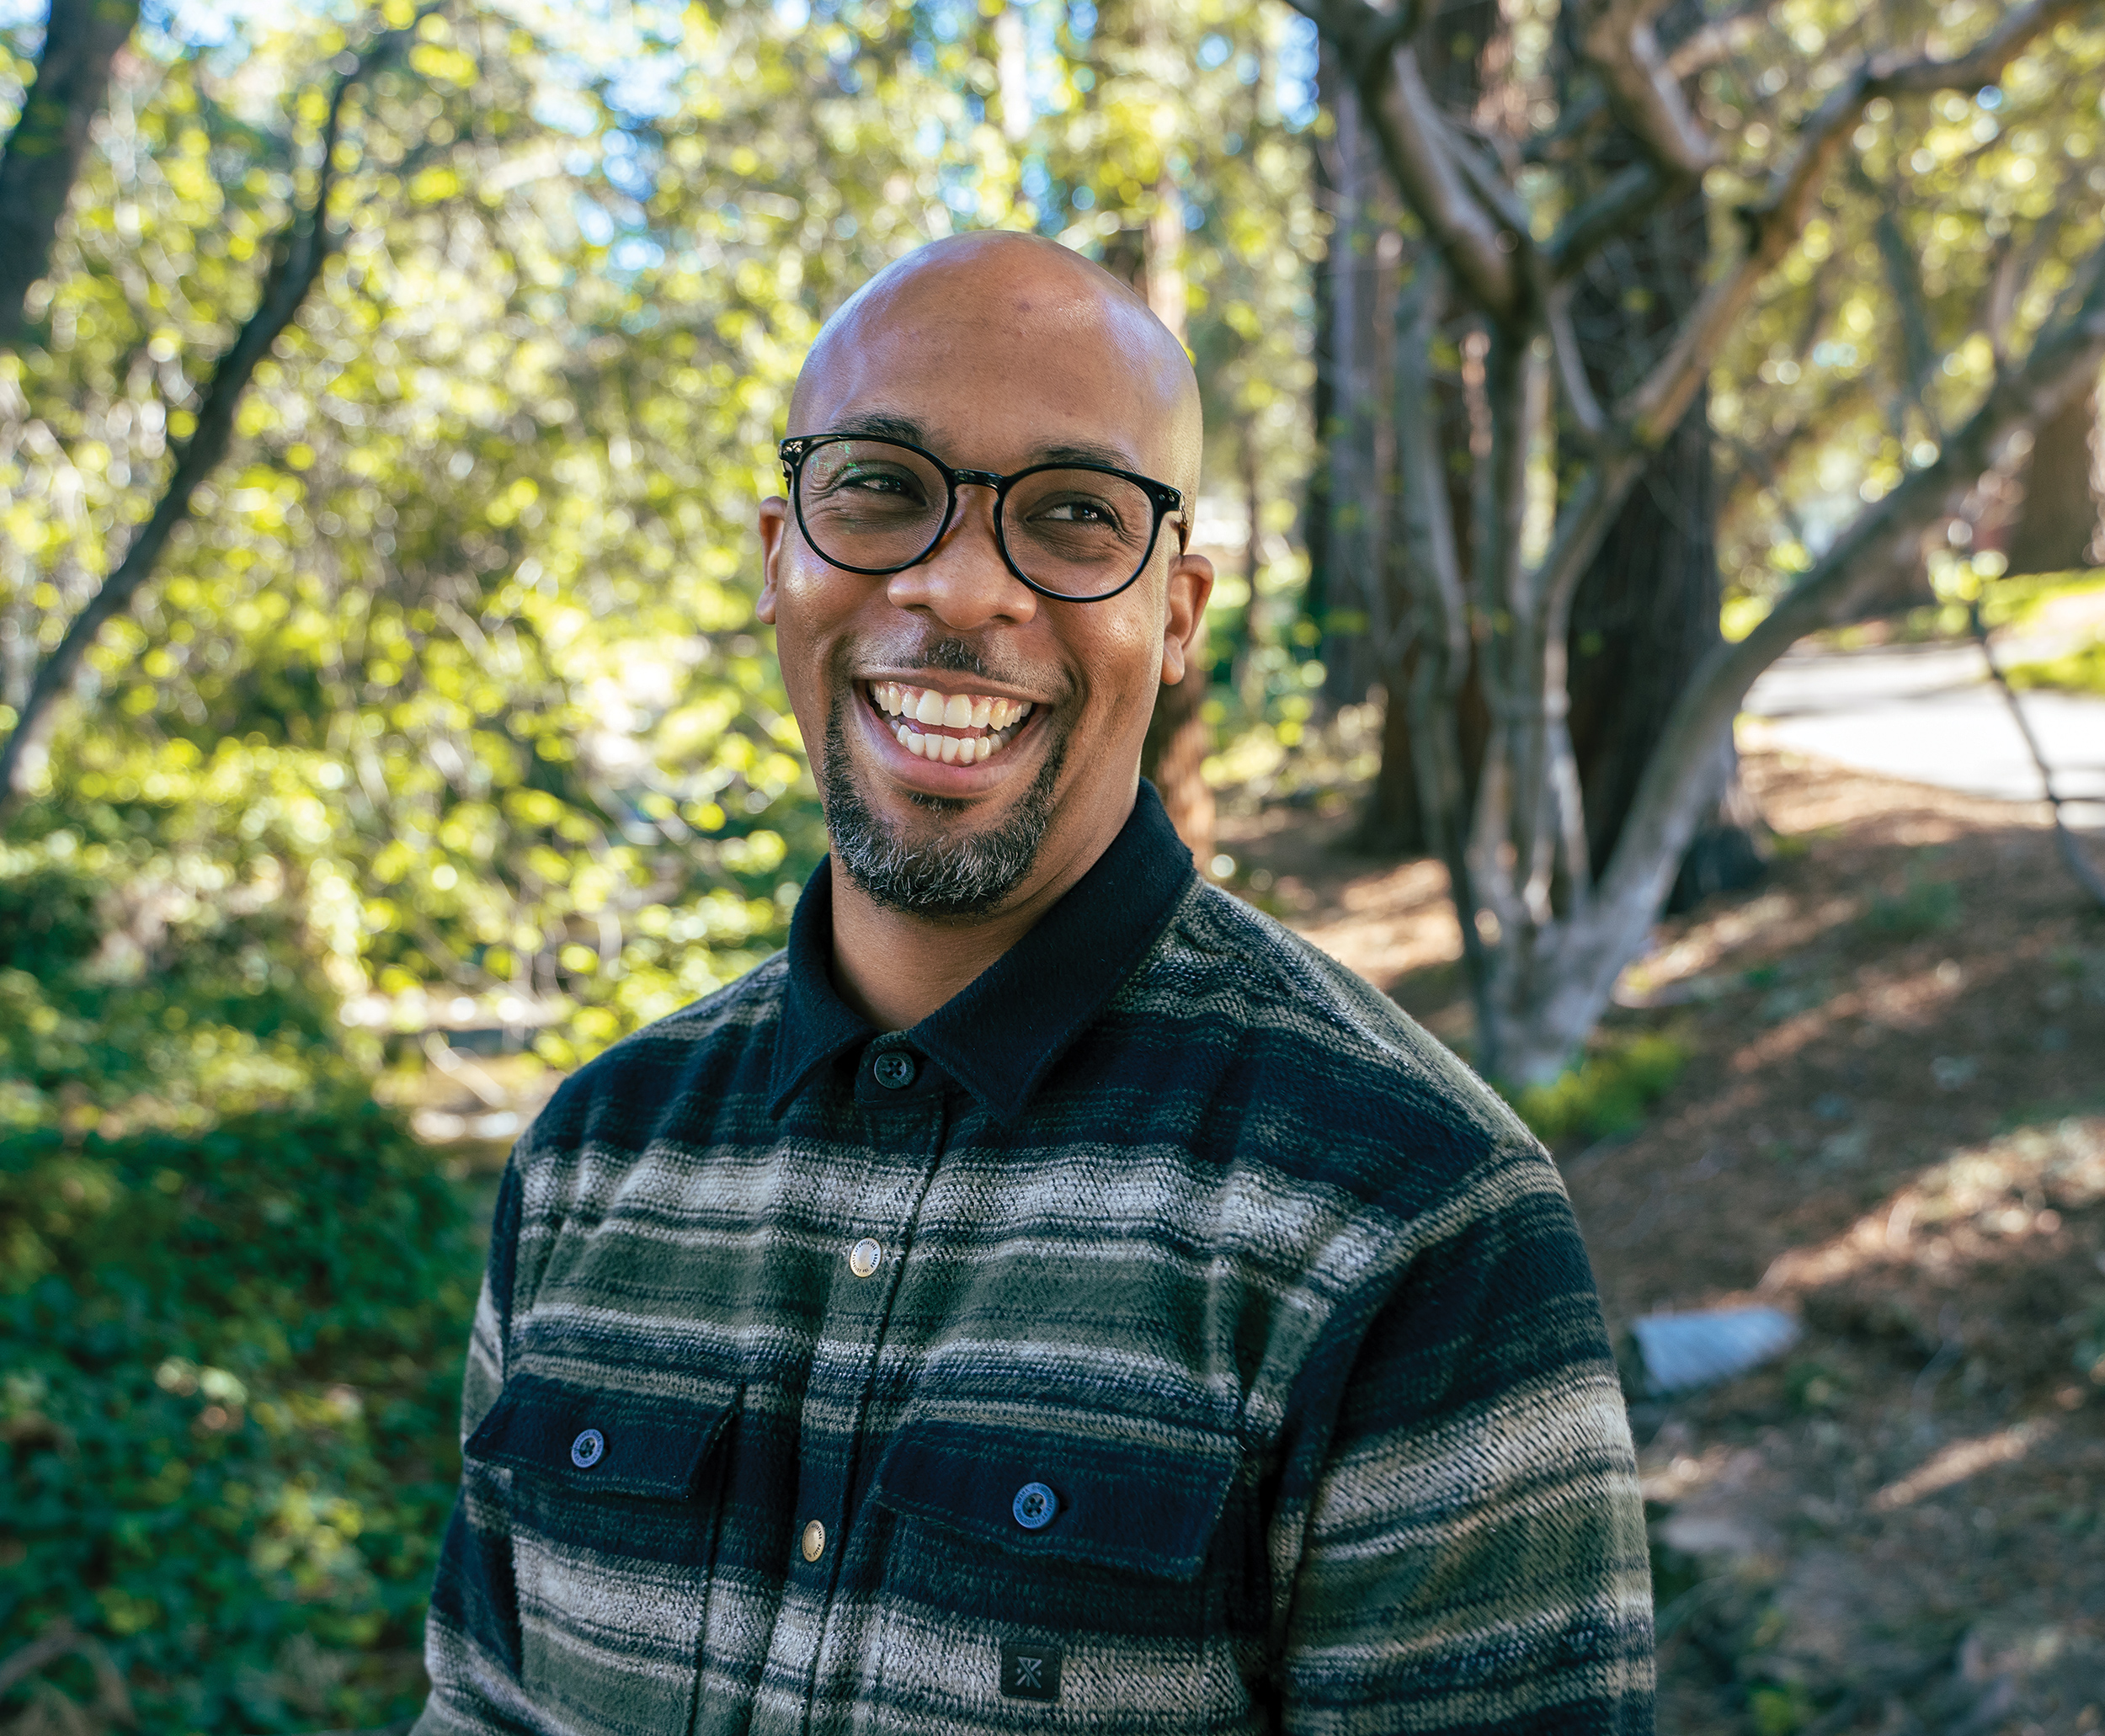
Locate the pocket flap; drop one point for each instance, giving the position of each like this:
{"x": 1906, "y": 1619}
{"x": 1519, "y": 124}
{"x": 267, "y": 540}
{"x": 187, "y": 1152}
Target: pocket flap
{"x": 1143, "y": 1507}
{"x": 649, "y": 1444}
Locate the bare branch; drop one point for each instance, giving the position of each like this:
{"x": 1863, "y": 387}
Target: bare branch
{"x": 1612, "y": 210}
{"x": 1883, "y": 538}
{"x": 1918, "y": 348}
{"x": 1617, "y": 37}
{"x": 1774, "y": 225}
{"x": 43, "y": 150}
{"x": 2087, "y": 876}
{"x": 1579, "y": 118}
{"x": 1433, "y": 570}
{"x": 1383, "y": 67}
{"x": 297, "y": 255}
{"x": 1716, "y": 40}
{"x": 1571, "y": 370}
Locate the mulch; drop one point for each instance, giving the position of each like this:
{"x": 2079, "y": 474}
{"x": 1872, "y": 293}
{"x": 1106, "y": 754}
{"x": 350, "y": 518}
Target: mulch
{"x": 1891, "y": 1123}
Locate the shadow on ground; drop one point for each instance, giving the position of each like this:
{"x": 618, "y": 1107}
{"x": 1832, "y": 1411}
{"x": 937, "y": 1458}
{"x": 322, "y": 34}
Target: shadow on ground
{"x": 1892, "y": 1121}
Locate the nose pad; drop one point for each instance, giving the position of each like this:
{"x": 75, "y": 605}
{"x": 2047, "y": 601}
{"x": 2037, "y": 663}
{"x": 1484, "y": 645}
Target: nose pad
{"x": 963, "y": 580}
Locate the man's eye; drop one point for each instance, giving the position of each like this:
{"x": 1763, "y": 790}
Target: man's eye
{"x": 1080, "y": 512}
{"x": 877, "y": 482}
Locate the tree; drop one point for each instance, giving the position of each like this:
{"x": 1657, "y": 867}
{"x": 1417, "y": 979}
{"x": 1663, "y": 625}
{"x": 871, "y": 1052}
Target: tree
{"x": 2061, "y": 523}
{"x": 1509, "y": 229}
{"x": 43, "y": 154}
{"x": 297, "y": 254}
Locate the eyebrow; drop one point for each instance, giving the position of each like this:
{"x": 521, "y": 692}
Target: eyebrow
{"x": 880, "y": 425}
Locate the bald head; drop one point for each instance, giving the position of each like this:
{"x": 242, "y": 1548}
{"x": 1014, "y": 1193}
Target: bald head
{"x": 1011, "y": 314}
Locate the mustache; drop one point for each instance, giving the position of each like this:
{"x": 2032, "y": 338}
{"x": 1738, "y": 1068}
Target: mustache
{"x": 953, "y": 656}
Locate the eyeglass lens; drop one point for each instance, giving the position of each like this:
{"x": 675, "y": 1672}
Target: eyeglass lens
{"x": 872, "y": 505}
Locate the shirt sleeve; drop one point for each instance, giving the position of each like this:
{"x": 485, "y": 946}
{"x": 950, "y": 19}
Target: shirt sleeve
{"x": 1474, "y": 1558}
{"x": 471, "y": 1634}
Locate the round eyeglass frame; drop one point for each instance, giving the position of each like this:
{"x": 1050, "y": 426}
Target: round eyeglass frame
{"x": 1166, "y": 500}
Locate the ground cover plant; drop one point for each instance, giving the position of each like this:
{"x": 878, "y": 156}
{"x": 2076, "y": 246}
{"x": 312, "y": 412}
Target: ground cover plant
{"x": 234, "y": 1295}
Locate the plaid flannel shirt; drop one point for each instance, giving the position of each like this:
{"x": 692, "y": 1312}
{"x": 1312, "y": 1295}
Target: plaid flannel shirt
{"x": 1164, "y": 1335}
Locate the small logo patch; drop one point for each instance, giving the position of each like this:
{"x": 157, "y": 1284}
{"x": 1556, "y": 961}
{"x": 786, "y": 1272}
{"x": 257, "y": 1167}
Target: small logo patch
{"x": 1031, "y": 1672}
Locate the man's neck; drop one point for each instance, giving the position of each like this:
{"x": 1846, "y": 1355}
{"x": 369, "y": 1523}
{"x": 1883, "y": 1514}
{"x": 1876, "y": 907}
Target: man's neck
{"x": 895, "y": 968}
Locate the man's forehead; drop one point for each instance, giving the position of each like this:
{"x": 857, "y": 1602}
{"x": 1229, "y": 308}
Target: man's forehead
{"x": 989, "y": 329}
{"x": 938, "y": 433}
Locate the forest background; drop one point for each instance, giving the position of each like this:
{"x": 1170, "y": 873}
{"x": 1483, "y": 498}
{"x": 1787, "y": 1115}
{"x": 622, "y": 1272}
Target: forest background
{"x": 441, "y": 734}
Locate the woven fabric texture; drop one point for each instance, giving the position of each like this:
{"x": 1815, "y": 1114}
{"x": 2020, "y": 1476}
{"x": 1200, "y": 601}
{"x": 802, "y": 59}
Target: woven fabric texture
{"x": 1283, "y": 1313}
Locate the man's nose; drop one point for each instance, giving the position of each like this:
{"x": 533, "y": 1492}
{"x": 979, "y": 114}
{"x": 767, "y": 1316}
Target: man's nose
{"x": 963, "y": 582}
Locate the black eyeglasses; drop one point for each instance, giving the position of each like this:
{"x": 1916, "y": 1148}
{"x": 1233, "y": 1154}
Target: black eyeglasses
{"x": 1078, "y": 532}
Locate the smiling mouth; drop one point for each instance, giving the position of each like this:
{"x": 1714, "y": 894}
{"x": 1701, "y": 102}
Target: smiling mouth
{"x": 951, "y": 728}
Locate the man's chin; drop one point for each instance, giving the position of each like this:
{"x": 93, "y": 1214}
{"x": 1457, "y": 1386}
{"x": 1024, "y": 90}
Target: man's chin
{"x": 968, "y": 862}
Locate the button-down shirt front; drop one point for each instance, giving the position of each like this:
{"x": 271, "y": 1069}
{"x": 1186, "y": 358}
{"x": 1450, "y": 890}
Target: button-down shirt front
{"x": 1163, "y": 1336}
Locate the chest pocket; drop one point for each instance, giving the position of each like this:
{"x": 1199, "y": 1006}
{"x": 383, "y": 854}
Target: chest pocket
{"x": 1058, "y": 1535}
{"x": 611, "y": 1503}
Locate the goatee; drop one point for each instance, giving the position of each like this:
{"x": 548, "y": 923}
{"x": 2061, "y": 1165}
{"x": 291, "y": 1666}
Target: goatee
{"x": 969, "y": 874}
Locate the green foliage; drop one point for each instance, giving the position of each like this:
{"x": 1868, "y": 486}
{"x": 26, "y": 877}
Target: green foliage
{"x": 231, "y": 1363}
{"x": 2080, "y": 671}
{"x": 1956, "y": 213}
{"x": 233, "y": 1298}
{"x": 1922, "y": 907}
{"x": 1606, "y": 1094}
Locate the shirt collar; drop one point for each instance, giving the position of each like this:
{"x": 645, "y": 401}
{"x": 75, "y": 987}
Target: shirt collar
{"x": 1000, "y": 1034}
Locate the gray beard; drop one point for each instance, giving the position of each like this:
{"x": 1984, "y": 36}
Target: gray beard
{"x": 968, "y": 876}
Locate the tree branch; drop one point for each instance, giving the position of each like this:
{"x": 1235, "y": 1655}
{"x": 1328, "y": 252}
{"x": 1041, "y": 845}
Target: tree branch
{"x": 1616, "y": 36}
{"x": 42, "y": 155}
{"x": 1774, "y": 224}
{"x": 1612, "y": 210}
{"x": 297, "y": 255}
{"x": 1918, "y": 348}
{"x": 1722, "y": 37}
{"x": 1886, "y": 536}
{"x": 1384, "y": 67}
{"x": 2087, "y": 876}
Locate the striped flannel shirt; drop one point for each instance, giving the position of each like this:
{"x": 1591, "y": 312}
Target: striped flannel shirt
{"x": 1164, "y": 1335}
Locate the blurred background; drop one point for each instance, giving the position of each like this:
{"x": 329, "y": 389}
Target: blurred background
{"x": 385, "y": 730}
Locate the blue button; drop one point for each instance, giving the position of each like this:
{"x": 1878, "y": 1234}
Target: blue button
{"x": 1034, "y": 1506}
{"x": 586, "y": 1449}
{"x": 894, "y": 1070}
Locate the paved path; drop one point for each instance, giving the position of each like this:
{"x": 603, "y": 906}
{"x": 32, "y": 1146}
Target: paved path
{"x": 1929, "y": 713}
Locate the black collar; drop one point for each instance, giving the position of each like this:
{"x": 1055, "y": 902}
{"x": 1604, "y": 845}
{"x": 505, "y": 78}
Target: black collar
{"x": 999, "y": 1035}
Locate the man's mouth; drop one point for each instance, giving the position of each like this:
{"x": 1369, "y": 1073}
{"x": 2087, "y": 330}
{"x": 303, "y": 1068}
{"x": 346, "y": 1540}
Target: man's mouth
{"x": 952, "y": 728}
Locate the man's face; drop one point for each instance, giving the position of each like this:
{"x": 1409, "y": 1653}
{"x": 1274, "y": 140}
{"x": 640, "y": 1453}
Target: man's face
{"x": 972, "y": 738}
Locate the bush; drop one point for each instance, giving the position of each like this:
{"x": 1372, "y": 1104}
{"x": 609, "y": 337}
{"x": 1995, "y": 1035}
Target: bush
{"x": 1605, "y": 1095}
{"x": 234, "y": 1296}
{"x": 228, "y": 1369}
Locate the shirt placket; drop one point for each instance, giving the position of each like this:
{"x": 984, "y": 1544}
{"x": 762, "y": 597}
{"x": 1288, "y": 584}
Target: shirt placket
{"x": 902, "y": 1096}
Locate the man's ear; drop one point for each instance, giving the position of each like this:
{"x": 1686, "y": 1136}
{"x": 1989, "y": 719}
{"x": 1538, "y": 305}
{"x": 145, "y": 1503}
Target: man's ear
{"x": 773, "y": 538}
{"x": 1190, "y": 584}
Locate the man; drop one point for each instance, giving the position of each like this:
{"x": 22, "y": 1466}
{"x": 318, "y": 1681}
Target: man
{"x": 1049, "y": 1295}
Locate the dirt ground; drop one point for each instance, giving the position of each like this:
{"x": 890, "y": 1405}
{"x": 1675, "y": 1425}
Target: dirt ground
{"x": 1892, "y": 1123}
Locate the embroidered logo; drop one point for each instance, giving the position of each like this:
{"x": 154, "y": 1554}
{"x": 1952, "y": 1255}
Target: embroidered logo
{"x": 1031, "y": 1672}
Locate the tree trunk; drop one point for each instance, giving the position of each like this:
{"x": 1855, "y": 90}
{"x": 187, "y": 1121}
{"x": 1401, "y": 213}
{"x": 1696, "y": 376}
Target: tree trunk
{"x": 2062, "y": 521}
{"x": 43, "y": 155}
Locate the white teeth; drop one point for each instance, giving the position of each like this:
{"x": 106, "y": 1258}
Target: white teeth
{"x": 905, "y": 706}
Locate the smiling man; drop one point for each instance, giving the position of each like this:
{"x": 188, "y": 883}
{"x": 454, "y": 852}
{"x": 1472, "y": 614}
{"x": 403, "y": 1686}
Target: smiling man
{"x": 1049, "y": 1295}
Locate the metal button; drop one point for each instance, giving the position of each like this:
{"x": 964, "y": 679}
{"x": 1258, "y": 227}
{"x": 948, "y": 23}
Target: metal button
{"x": 894, "y": 1069}
{"x": 1035, "y": 1505}
{"x": 814, "y": 1541}
{"x": 586, "y": 1449}
{"x": 863, "y": 1257}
